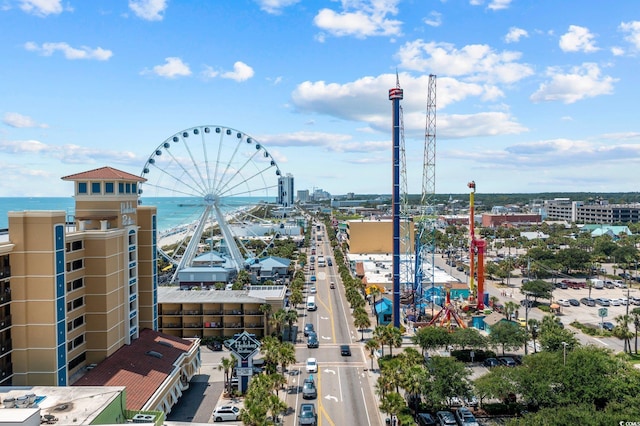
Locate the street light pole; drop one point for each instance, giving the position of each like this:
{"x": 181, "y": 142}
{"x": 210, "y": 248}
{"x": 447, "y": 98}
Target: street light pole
{"x": 564, "y": 353}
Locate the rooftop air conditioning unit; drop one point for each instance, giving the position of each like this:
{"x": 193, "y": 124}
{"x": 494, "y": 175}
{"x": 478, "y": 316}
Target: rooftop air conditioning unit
{"x": 143, "y": 418}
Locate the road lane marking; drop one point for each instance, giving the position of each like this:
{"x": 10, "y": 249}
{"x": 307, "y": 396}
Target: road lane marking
{"x": 364, "y": 401}
{"x": 600, "y": 341}
{"x": 331, "y": 397}
{"x": 340, "y": 386}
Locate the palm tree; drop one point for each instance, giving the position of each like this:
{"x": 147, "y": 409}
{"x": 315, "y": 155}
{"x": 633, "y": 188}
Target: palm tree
{"x": 493, "y": 301}
{"x": 227, "y": 365}
{"x": 395, "y": 338}
{"x": 265, "y": 308}
{"x": 286, "y": 355}
{"x": 412, "y": 380}
{"x": 509, "y": 309}
{"x": 621, "y": 330}
{"x": 636, "y": 323}
{"x": 392, "y": 403}
{"x": 290, "y": 317}
{"x": 278, "y": 318}
{"x": 361, "y": 321}
{"x": 373, "y": 292}
{"x": 380, "y": 335}
{"x": 372, "y": 345}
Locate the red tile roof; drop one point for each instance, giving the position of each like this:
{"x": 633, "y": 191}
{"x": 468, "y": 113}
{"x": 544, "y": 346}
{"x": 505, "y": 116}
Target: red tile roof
{"x": 130, "y": 366}
{"x": 104, "y": 173}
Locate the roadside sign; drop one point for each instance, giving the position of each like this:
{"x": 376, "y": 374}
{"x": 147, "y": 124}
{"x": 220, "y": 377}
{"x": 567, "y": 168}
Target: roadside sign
{"x": 602, "y": 312}
{"x": 244, "y": 371}
{"x": 244, "y": 346}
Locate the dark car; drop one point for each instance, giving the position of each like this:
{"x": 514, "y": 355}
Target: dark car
{"x": 528, "y": 303}
{"x": 312, "y": 341}
{"x": 446, "y": 418}
{"x": 491, "y": 362}
{"x": 309, "y": 390}
{"x": 329, "y": 261}
{"x": 589, "y": 301}
{"x": 426, "y": 419}
{"x": 215, "y": 346}
{"x": 507, "y": 361}
{"x": 307, "y": 415}
{"x": 574, "y": 302}
{"x": 607, "y": 326}
{"x": 308, "y": 328}
{"x": 345, "y": 350}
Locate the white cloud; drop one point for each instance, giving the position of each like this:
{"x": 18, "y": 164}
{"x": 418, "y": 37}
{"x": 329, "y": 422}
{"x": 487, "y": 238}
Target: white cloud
{"x": 581, "y": 82}
{"x": 632, "y": 31}
{"x": 82, "y": 52}
{"x": 209, "y": 72}
{"x": 241, "y": 72}
{"x": 70, "y": 153}
{"x": 360, "y": 101}
{"x": 41, "y": 7}
{"x": 17, "y": 120}
{"x": 174, "y": 67}
{"x": 578, "y": 39}
{"x": 515, "y": 34}
{"x": 617, "y": 51}
{"x": 476, "y": 62}
{"x": 434, "y": 19}
{"x": 360, "y": 19}
{"x": 275, "y": 7}
{"x": 149, "y": 10}
{"x": 493, "y": 4}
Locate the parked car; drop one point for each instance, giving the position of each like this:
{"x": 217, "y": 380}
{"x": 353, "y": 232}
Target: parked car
{"x": 588, "y": 301}
{"x": 472, "y": 401}
{"x": 308, "y": 328}
{"x": 215, "y": 346}
{"x": 465, "y": 417}
{"x": 345, "y": 350}
{"x": 313, "y": 289}
{"x": 507, "y": 361}
{"x": 574, "y": 302}
{"x": 309, "y": 390}
{"x": 426, "y": 419}
{"x": 522, "y": 322}
{"x": 226, "y": 413}
{"x": 312, "y": 365}
{"x": 307, "y": 415}
{"x": 313, "y": 278}
{"x": 329, "y": 261}
{"x": 491, "y": 362}
{"x": 615, "y": 302}
{"x": 603, "y": 301}
{"x": 446, "y": 418}
{"x": 563, "y": 302}
{"x": 607, "y": 326}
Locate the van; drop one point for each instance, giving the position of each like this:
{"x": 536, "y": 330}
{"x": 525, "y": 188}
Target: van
{"x": 311, "y": 303}
{"x": 597, "y": 284}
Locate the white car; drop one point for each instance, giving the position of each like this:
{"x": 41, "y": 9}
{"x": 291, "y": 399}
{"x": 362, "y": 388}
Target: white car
{"x": 615, "y": 302}
{"x": 313, "y": 289}
{"x": 563, "y": 302}
{"x": 312, "y": 365}
{"x": 226, "y": 413}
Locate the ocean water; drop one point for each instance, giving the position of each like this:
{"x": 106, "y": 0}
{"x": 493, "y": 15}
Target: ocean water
{"x": 172, "y": 211}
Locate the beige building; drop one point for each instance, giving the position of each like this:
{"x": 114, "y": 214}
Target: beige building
{"x": 80, "y": 290}
{"x": 376, "y": 236}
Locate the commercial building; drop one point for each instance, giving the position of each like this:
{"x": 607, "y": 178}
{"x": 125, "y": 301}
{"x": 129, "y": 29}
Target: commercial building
{"x": 80, "y": 290}
{"x": 376, "y": 236}
{"x": 217, "y": 314}
{"x": 562, "y": 209}
{"x": 494, "y": 220}
{"x": 285, "y": 190}
{"x": 602, "y": 213}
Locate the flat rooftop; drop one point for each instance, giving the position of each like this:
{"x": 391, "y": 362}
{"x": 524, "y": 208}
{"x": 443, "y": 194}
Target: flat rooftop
{"x": 70, "y": 405}
{"x": 255, "y": 294}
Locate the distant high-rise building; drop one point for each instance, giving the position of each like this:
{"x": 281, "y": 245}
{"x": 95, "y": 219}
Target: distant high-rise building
{"x": 285, "y": 190}
{"x": 303, "y": 196}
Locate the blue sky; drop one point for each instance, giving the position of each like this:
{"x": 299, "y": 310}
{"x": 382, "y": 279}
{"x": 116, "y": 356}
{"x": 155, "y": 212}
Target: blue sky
{"x": 532, "y": 96}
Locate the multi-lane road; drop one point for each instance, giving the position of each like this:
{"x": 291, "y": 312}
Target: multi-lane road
{"x": 344, "y": 384}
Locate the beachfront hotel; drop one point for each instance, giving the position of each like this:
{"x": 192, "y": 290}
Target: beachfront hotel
{"x": 77, "y": 289}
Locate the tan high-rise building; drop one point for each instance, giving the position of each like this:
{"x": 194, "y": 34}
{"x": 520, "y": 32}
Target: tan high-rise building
{"x": 79, "y": 289}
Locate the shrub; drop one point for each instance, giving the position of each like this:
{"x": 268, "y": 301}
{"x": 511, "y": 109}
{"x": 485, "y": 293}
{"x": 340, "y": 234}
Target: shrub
{"x": 479, "y": 355}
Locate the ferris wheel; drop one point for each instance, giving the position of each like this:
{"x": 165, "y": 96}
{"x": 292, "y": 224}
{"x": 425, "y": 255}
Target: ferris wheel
{"x": 228, "y": 180}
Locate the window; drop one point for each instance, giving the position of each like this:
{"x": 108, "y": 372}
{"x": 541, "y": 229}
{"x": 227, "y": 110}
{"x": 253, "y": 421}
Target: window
{"x": 75, "y": 265}
{"x": 75, "y": 323}
{"x": 96, "y": 187}
{"x": 75, "y": 304}
{"x": 74, "y": 245}
{"x": 120, "y": 188}
{"x": 128, "y": 186}
{"x": 108, "y": 187}
{"x": 75, "y": 284}
{"x": 132, "y": 239}
{"x": 82, "y": 187}
{"x": 133, "y": 188}
{"x": 75, "y": 342}
{"x": 77, "y": 361}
